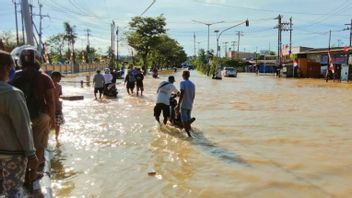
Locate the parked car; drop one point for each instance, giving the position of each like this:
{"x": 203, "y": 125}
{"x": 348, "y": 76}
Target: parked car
{"x": 229, "y": 72}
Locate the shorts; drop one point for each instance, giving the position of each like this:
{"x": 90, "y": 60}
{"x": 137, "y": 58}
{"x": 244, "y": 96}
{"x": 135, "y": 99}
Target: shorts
{"x": 185, "y": 115}
{"x": 59, "y": 119}
{"x": 162, "y": 107}
{"x": 140, "y": 87}
{"x": 130, "y": 85}
{"x": 100, "y": 89}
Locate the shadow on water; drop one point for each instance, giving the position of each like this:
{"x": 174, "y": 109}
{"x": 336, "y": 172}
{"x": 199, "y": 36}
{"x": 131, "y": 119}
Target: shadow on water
{"x": 205, "y": 145}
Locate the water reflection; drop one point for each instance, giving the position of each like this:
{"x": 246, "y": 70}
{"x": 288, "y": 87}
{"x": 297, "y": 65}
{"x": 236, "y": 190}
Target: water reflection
{"x": 254, "y": 137}
{"x": 61, "y": 173}
{"x": 205, "y": 145}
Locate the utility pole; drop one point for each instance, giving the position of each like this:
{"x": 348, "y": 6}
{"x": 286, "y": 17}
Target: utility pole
{"x": 88, "y": 44}
{"x": 226, "y": 49}
{"x": 282, "y": 26}
{"x": 217, "y": 47}
{"x": 117, "y": 44}
{"x": 279, "y": 42}
{"x": 17, "y": 39}
{"x": 239, "y": 34}
{"x": 233, "y": 48}
{"x": 350, "y": 29}
{"x": 329, "y": 40}
{"x": 194, "y": 43}
{"x": 27, "y": 21}
{"x": 40, "y": 47}
{"x": 293, "y": 67}
{"x": 113, "y": 33}
{"x": 208, "y": 24}
{"x": 22, "y": 20}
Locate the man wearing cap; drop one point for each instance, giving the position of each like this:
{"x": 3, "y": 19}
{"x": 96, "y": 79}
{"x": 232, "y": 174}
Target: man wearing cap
{"x": 17, "y": 150}
{"x": 38, "y": 89}
{"x": 164, "y": 91}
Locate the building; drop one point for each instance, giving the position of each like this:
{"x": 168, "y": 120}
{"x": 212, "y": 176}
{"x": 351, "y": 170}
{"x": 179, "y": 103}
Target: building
{"x": 313, "y": 63}
{"x": 241, "y": 55}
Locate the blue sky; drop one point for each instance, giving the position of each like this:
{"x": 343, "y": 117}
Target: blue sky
{"x": 312, "y": 20}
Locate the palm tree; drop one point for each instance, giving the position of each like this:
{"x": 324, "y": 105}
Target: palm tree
{"x": 70, "y": 37}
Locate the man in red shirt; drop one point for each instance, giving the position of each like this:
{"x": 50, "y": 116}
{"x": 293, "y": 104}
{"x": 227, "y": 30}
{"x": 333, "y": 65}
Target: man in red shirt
{"x": 38, "y": 89}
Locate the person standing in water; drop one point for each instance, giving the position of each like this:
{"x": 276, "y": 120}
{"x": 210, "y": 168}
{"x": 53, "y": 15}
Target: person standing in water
{"x": 130, "y": 82}
{"x": 56, "y": 77}
{"x": 139, "y": 80}
{"x": 185, "y": 103}
{"x": 165, "y": 89}
{"x": 99, "y": 83}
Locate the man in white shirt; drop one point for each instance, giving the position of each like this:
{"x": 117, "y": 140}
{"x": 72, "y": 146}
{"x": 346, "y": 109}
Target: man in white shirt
{"x": 165, "y": 89}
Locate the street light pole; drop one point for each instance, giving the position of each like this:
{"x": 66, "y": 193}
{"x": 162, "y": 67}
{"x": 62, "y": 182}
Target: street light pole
{"x": 208, "y": 24}
{"x": 218, "y": 37}
{"x": 217, "y": 32}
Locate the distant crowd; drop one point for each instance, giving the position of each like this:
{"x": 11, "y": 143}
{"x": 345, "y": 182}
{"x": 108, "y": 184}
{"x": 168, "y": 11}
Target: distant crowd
{"x": 30, "y": 107}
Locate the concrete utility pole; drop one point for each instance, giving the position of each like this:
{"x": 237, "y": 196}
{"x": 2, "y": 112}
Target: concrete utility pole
{"x": 293, "y": 67}
{"x": 22, "y": 21}
{"x": 279, "y": 42}
{"x": 350, "y": 29}
{"x": 239, "y": 34}
{"x": 17, "y": 38}
{"x": 88, "y": 43}
{"x": 217, "y": 47}
{"x": 194, "y": 43}
{"x": 27, "y": 22}
{"x": 208, "y": 24}
{"x": 113, "y": 32}
{"x": 281, "y": 27}
{"x": 40, "y": 47}
{"x": 226, "y": 48}
{"x": 117, "y": 43}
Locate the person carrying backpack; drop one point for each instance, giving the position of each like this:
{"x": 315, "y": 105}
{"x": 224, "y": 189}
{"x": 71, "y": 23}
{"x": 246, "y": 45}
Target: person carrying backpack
{"x": 130, "y": 81}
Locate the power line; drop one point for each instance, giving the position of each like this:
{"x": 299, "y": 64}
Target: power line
{"x": 265, "y": 10}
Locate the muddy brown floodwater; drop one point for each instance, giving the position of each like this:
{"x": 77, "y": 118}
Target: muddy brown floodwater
{"x": 255, "y": 136}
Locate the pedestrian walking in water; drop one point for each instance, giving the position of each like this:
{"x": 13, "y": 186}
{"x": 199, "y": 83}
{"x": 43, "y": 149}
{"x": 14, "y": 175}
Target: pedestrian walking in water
{"x": 38, "y": 89}
{"x": 185, "y": 103}
{"x": 139, "y": 80}
{"x": 165, "y": 89}
{"x": 56, "y": 77}
{"x": 130, "y": 82}
{"x": 99, "y": 83}
{"x": 17, "y": 151}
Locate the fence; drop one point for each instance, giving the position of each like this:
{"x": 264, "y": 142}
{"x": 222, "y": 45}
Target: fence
{"x": 68, "y": 69}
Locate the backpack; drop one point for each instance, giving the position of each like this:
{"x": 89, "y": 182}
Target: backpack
{"x": 131, "y": 78}
{"x": 25, "y": 81}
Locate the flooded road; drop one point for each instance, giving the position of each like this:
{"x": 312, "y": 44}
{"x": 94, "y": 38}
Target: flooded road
{"x": 255, "y": 136}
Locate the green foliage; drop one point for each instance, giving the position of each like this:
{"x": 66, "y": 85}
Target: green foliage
{"x": 204, "y": 62}
{"x": 168, "y": 53}
{"x": 56, "y": 44}
{"x": 145, "y": 33}
{"x": 8, "y": 41}
{"x": 70, "y": 36}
